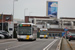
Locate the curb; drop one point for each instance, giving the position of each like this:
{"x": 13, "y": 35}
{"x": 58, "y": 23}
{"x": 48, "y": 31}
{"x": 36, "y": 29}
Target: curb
{"x": 7, "y": 40}
{"x": 59, "y": 44}
{"x": 69, "y": 44}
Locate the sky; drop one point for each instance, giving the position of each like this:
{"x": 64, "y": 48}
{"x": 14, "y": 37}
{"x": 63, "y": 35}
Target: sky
{"x": 37, "y": 7}
{"x": 33, "y": 8}
{"x": 66, "y": 8}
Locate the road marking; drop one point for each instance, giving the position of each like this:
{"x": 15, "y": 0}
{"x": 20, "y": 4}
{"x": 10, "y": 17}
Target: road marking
{"x": 49, "y": 46}
{"x": 17, "y": 46}
{"x": 59, "y": 45}
{"x": 7, "y": 42}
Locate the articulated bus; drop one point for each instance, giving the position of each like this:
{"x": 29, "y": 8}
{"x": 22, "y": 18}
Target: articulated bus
{"x": 43, "y": 33}
{"x": 26, "y": 31}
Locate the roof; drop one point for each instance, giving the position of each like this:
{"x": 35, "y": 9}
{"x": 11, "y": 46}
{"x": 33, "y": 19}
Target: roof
{"x": 67, "y": 17}
{"x": 43, "y": 29}
{"x": 37, "y": 16}
{"x": 28, "y": 23}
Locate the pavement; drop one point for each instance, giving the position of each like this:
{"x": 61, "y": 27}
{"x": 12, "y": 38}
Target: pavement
{"x": 39, "y": 44}
{"x": 72, "y": 44}
{"x": 7, "y": 40}
{"x": 65, "y": 45}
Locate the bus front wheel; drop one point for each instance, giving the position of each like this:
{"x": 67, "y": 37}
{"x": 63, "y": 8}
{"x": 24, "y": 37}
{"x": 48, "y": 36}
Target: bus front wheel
{"x": 46, "y": 37}
{"x": 18, "y": 39}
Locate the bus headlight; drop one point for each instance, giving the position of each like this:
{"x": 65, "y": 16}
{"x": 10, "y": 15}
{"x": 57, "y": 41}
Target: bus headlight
{"x": 31, "y": 37}
{"x": 18, "y": 36}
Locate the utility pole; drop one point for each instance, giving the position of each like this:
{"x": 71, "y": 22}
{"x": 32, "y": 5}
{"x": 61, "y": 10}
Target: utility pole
{"x": 2, "y": 22}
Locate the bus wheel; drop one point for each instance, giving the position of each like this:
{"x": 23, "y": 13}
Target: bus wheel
{"x": 40, "y": 37}
{"x": 18, "y": 39}
{"x": 34, "y": 39}
{"x": 46, "y": 37}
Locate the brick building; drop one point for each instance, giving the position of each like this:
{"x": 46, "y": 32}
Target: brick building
{"x": 5, "y": 19}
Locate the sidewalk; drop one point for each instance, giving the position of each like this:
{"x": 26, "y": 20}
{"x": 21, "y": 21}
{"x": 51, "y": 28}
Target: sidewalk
{"x": 65, "y": 45}
{"x": 7, "y": 40}
{"x": 72, "y": 44}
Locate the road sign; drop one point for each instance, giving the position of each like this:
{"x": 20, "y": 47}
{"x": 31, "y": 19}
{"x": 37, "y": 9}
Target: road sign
{"x": 63, "y": 33}
{"x": 66, "y": 29}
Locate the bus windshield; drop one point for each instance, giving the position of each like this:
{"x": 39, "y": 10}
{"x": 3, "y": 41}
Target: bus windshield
{"x": 24, "y": 30}
{"x": 43, "y": 32}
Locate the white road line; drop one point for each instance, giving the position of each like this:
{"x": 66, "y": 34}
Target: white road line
{"x": 8, "y": 42}
{"x": 17, "y": 46}
{"x": 49, "y": 46}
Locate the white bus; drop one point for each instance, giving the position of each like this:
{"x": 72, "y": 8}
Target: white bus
{"x": 26, "y": 31}
{"x": 43, "y": 33}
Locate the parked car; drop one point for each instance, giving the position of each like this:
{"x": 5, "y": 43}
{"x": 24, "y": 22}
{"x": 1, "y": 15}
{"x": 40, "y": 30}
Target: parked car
{"x": 71, "y": 36}
{"x": 4, "y": 33}
{"x": 2, "y": 36}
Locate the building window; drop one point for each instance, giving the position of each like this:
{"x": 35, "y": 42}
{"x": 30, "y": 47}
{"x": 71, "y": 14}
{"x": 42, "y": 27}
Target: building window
{"x": 7, "y": 18}
{"x": 32, "y": 21}
{"x": 74, "y": 23}
{"x": 67, "y": 24}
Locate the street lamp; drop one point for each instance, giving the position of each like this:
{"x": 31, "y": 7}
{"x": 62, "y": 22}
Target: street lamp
{"x": 29, "y": 14}
{"x": 13, "y": 16}
{"x": 2, "y": 21}
{"x": 13, "y": 7}
{"x": 25, "y": 10}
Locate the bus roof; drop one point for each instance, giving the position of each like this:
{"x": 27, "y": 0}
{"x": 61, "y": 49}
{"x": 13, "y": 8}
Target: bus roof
{"x": 43, "y": 29}
{"x": 28, "y": 23}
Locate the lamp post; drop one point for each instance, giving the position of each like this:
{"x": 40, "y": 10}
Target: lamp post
{"x": 13, "y": 16}
{"x": 25, "y": 10}
{"x": 2, "y": 22}
{"x": 29, "y": 14}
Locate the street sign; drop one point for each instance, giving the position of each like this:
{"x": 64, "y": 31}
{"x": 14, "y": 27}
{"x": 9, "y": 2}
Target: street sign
{"x": 66, "y": 29}
{"x": 63, "y": 33}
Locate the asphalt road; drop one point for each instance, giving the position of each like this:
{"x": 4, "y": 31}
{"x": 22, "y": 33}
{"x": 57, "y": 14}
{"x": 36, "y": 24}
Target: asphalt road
{"x": 39, "y": 44}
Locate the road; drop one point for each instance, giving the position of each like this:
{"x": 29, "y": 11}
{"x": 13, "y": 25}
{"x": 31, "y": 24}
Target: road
{"x": 39, "y": 44}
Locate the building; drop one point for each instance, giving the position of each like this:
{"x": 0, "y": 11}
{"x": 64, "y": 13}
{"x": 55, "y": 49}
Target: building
{"x": 67, "y": 22}
{"x": 55, "y": 26}
{"x": 42, "y": 21}
{"x": 45, "y": 22}
{"x": 6, "y": 23}
{"x": 5, "y": 19}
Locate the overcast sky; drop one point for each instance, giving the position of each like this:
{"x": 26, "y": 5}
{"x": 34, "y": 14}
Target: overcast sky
{"x": 66, "y": 8}
{"x": 37, "y": 7}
